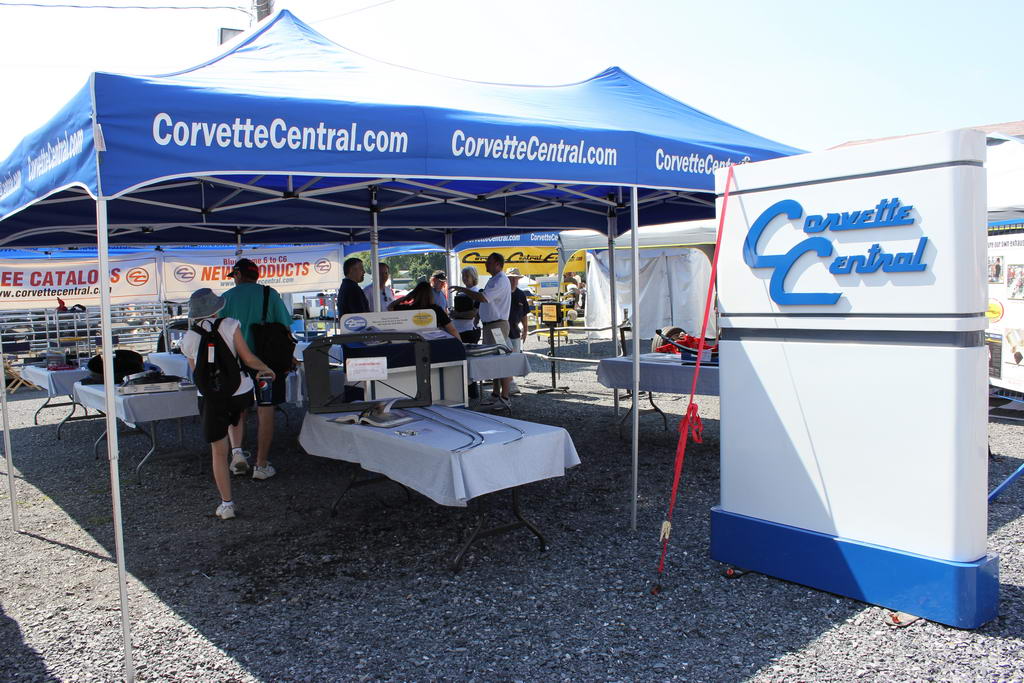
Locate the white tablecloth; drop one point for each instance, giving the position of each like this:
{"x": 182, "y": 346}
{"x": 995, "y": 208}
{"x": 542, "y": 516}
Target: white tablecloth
{"x": 136, "y": 408}
{"x": 425, "y": 461}
{"x": 662, "y": 373}
{"x": 295, "y": 390}
{"x": 491, "y": 367}
{"x": 56, "y": 383}
{"x": 171, "y": 364}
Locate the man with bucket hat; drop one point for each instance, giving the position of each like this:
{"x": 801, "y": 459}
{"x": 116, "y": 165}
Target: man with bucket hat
{"x": 218, "y": 412}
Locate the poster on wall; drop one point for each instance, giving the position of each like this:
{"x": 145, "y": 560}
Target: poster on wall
{"x": 28, "y": 284}
{"x": 1005, "y": 334}
{"x": 286, "y": 269}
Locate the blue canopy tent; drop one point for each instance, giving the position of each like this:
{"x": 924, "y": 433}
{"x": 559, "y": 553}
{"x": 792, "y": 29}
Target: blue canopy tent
{"x": 288, "y": 137}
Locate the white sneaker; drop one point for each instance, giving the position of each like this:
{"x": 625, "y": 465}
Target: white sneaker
{"x": 226, "y": 510}
{"x": 239, "y": 463}
{"x": 263, "y": 472}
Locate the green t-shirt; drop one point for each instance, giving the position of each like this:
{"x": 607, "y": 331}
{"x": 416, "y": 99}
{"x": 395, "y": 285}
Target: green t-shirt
{"x": 244, "y": 303}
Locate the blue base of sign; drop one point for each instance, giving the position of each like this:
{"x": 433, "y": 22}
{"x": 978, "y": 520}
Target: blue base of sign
{"x": 961, "y": 594}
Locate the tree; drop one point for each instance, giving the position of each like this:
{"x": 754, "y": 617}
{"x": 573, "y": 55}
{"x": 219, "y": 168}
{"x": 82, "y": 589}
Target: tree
{"x": 417, "y": 267}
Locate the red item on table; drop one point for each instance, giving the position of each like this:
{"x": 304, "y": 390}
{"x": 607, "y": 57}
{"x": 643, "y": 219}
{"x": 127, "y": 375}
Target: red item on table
{"x": 686, "y": 340}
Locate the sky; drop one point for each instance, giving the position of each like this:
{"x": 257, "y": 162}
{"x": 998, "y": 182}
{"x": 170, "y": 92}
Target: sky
{"x": 811, "y": 74}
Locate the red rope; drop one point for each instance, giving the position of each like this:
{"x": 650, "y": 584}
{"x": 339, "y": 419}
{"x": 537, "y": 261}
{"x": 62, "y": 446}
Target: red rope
{"x": 691, "y": 424}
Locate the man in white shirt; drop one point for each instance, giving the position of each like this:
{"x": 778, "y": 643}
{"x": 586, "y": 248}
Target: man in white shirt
{"x": 387, "y": 294}
{"x": 495, "y": 301}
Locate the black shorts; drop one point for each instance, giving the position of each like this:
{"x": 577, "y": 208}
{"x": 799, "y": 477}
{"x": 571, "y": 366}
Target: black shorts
{"x": 218, "y": 414}
{"x": 277, "y": 390}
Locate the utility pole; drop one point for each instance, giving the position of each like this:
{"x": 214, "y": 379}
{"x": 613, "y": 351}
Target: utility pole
{"x": 263, "y": 8}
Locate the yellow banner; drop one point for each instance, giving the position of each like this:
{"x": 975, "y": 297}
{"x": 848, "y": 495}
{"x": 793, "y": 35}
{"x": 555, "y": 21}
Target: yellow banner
{"x": 529, "y": 260}
{"x": 577, "y": 263}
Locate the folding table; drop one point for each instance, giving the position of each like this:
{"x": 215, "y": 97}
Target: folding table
{"x": 57, "y": 383}
{"x": 135, "y": 409}
{"x": 450, "y": 455}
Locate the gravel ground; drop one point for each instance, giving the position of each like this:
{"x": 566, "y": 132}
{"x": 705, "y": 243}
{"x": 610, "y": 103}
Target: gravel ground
{"x": 285, "y": 592}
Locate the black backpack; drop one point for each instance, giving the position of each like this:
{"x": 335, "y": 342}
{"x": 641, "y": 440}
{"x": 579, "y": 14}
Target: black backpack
{"x": 273, "y": 342}
{"x": 217, "y": 374}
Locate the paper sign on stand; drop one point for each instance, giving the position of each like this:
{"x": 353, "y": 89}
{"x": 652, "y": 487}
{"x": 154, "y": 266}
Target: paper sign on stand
{"x": 364, "y": 369}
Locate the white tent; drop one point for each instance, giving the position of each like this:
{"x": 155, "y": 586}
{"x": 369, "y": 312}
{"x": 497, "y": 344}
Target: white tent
{"x": 1005, "y": 166}
{"x": 700, "y": 234}
{"x": 675, "y": 262}
{"x": 673, "y": 286}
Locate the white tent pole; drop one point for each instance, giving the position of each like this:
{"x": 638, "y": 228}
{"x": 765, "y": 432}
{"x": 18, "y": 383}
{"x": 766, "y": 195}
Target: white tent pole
{"x": 8, "y": 454}
{"x": 375, "y": 249}
{"x": 448, "y": 272}
{"x": 634, "y": 209}
{"x": 110, "y": 408}
{"x": 612, "y": 223}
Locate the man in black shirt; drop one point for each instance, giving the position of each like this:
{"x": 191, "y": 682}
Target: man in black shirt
{"x": 518, "y": 312}
{"x": 351, "y": 298}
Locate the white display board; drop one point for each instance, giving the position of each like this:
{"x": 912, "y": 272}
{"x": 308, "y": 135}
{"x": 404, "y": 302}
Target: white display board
{"x": 407, "y": 320}
{"x": 39, "y": 283}
{"x": 853, "y": 374}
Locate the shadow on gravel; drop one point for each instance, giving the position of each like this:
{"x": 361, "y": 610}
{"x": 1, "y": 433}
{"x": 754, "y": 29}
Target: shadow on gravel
{"x": 1009, "y": 506}
{"x": 291, "y": 592}
{"x": 24, "y": 394}
{"x": 18, "y": 661}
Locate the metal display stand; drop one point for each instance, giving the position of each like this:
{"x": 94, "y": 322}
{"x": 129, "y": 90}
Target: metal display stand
{"x": 551, "y": 316}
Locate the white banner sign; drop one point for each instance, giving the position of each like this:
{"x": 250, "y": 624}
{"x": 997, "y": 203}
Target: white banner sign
{"x": 47, "y": 283}
{"x": 1005, "y": 335}
{"x": 285, "y": 269}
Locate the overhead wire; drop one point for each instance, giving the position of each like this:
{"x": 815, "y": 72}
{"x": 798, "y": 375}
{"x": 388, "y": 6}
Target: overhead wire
{"x": 354, "y": 11}
{"x": 69, "y": 5}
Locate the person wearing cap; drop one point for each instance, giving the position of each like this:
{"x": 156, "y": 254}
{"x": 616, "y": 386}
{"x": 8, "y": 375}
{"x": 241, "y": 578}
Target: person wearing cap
{"x": 495, "y": 301}
{"x": 518, "y": 318}
{"x": 351, "y": 298}
{"x": 439, "y": 281}
{"x": 387, "y": 294}
{"x": 244, "y": 303}
{"x": 219, "y": 415}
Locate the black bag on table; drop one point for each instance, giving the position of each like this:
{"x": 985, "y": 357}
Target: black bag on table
{"x": 126, "y": 362}
{"x": 273, "y": 342}
{"x": 217, "y": 374}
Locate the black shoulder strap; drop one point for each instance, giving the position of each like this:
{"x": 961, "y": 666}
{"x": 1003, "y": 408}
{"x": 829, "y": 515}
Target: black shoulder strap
{"x": 266, "y": 299}
{"x": 198, "y": 328}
